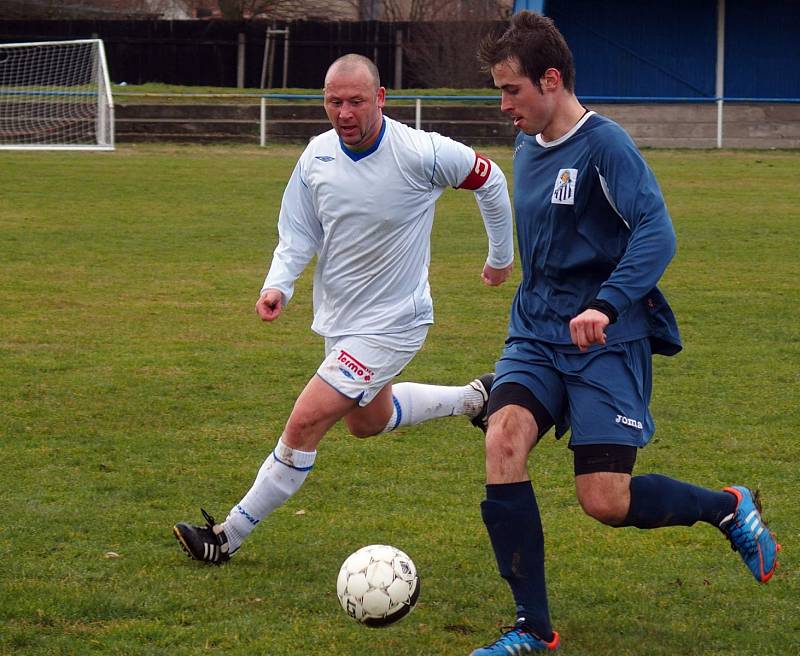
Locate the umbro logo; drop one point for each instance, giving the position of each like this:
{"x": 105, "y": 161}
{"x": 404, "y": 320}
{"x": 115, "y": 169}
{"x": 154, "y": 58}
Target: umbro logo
{"x": 325, "y": 158}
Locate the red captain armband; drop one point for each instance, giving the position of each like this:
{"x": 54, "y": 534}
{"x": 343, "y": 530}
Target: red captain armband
{"x": 478, "y": 175}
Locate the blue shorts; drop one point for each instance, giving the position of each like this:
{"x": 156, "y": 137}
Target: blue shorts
{"x": 602, "y": 396}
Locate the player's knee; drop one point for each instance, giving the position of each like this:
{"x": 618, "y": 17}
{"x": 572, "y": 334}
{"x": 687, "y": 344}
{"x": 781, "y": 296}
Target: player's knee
{"x": 362, "y": 431}
{"x": 606, "y": 509}
{"x": 500, "y": 448}
{"x": 362, "y": 428}
{"x": 301, "y": 425}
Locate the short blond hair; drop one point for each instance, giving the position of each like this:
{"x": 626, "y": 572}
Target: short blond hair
{"x": 352, "y": 62}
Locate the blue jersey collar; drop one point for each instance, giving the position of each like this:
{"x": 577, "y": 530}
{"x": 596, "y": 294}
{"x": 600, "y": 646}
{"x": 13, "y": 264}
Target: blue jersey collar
{"x": 356, "y": 155}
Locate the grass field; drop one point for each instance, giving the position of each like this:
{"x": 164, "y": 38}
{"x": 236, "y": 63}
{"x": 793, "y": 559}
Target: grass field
{"x": 137, "y": 384}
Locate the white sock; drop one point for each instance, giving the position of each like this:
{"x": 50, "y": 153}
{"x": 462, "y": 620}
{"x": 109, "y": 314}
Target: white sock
{"x": 281, "y": 475}
{"x": 415, "y": 403}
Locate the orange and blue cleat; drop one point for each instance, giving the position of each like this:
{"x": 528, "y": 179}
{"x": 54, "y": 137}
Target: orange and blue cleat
{"x": 517, "y": 639}
{"x": 748, "y": 534}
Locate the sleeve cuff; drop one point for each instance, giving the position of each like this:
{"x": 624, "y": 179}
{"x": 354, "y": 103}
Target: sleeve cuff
{"x": 605, "y": 307}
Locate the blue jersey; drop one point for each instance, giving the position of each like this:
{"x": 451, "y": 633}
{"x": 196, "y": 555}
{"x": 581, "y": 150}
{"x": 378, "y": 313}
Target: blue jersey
{"x": 591, "y": 224}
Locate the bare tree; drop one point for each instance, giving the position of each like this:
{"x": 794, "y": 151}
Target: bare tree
{"x": 445, "y": 10}
{"x": 418, "y": 10}
{"x": 442, "y": 51}
{"x": 171, "y": 9}
{"x": 83, "y": 9}
{"x": 281, "y": 9}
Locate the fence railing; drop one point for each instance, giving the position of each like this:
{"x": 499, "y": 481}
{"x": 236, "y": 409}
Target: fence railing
{"x": 417, "y": 102}
{"x": 720, "y": 102}
{"x": 266, "y": 98}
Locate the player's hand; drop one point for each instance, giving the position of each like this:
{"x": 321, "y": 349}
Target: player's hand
{"x": 494, "y": 277}
{"x": 269, "y": 304}
{"x": 588, "y": 328}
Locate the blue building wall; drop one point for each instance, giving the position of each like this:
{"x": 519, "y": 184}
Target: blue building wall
{"x": 762, "y": 49}
{"x": 661, "y": 49}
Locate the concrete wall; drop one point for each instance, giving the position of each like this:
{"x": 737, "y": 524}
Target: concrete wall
{"x": 656, "y": 125}
{"x": 695, "y": 125}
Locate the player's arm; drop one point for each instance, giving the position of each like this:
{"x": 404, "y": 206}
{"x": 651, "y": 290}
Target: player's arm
{"x": 633, "y": 191}
{"x": 269, "y": 304}
{"x": 589, "y": 327}
{"x": 461, "y": 167}
{"x": 299, "y": 238}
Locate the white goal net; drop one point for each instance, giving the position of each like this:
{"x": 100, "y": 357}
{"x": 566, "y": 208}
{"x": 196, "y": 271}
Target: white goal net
{"x": 55, "y": 95}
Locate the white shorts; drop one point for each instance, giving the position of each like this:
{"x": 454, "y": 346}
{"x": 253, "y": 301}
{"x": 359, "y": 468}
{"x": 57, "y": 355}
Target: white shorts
{"x": 360, "y": 366}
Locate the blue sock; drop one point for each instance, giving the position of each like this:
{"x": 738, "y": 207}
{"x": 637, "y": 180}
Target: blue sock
{"x": 512, "y": 519}
{"x": 658, "y": 500}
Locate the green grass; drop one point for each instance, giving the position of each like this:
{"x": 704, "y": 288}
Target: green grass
{"x": 138, "y": 384}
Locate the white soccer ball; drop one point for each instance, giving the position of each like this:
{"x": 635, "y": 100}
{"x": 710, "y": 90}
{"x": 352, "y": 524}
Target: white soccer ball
{"x": 378, "y": 585}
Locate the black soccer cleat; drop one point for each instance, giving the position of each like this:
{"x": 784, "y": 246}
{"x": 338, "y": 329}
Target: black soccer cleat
{"x": 482, "y": 385}
{"x": 205, "y": 543}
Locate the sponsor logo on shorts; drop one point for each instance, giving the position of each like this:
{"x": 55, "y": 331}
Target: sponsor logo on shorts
{"x": 347, "y": 361}
{"x": 626, "y": 421}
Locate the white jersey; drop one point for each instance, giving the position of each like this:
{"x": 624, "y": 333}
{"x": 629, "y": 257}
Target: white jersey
{"x": 367, "y": 216}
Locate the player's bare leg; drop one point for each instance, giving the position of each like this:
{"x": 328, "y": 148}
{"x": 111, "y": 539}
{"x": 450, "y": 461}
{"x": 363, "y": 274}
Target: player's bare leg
{"x": 653, "y": 500}
{"x": 318, "y": 407}
{"x": 408, "y": 404}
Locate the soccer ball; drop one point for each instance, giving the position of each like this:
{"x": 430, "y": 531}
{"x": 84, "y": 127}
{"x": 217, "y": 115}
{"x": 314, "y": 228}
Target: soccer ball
{"x": 378, "y": 585}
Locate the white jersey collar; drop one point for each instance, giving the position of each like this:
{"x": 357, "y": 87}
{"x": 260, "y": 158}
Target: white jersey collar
{"x": 564, "y": 137}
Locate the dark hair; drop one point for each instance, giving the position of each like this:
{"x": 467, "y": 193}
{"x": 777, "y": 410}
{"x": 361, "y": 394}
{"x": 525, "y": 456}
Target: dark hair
{"x": 536, "y": 43}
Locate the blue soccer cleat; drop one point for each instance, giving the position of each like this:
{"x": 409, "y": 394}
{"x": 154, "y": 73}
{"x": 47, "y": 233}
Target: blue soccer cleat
{"x": 517, "y": 640}
{"x": 749, "y": 535}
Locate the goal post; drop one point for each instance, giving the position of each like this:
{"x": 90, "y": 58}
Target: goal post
{"x": 55, "y": 95}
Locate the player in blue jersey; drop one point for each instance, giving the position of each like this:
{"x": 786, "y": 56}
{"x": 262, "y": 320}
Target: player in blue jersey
{"x": 361, "y": 199}
{"x": 594, "y": 239}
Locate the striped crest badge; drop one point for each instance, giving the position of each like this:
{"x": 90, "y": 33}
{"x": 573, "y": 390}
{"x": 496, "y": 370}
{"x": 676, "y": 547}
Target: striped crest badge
{"x": 564, "y": 189}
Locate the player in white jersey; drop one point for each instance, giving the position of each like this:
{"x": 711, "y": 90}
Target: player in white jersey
{"x": 361, "y": 198}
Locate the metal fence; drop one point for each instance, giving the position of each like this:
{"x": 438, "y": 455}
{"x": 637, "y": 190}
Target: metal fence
{"x": 419, "y": 100}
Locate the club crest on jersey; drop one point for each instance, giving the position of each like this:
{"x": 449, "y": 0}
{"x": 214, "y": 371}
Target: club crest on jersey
{"x": 352, "y": 368}
{"x": 564, "y": 189}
